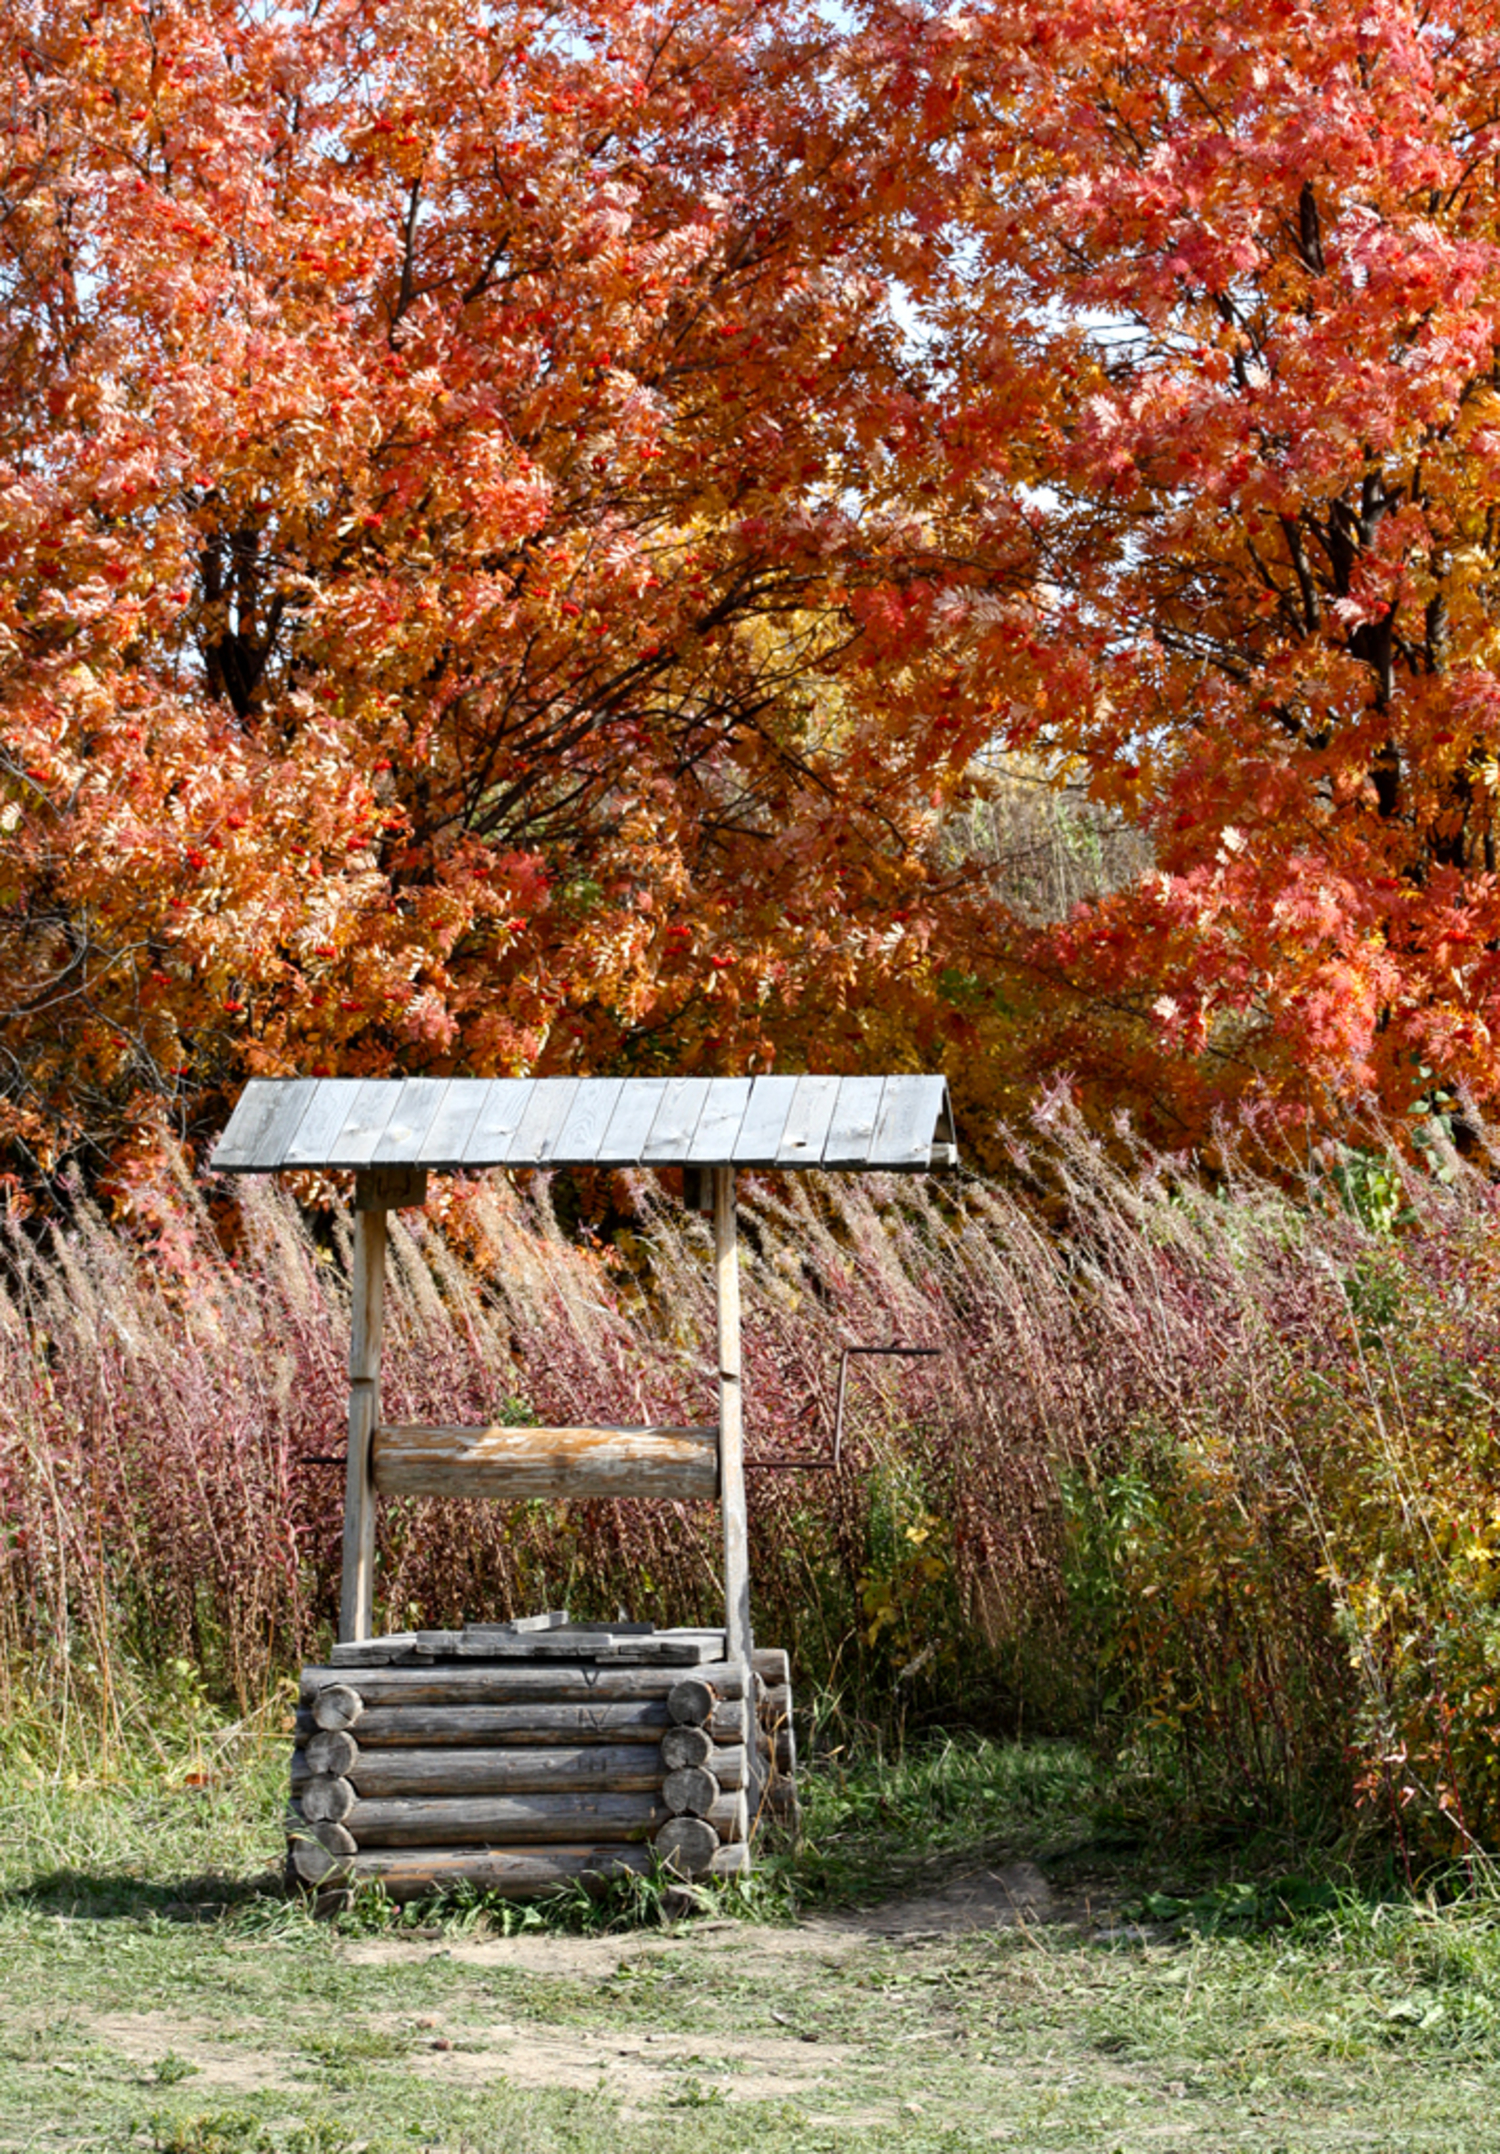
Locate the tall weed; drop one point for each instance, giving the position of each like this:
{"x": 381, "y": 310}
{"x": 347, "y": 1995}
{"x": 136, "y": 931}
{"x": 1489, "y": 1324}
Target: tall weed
{"x": 1209, "y": 1471}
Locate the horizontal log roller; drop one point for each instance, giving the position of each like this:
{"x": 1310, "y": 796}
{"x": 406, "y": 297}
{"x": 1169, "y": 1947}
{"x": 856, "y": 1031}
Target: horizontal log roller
{"x": 680, "y": 1464}
{"x": 504, "y": 1820}
{"x": 536, "y": 1726}
{"x": 618, "y": 1769}
{"x": 519, "y": 1873}
{"x": 480, "y": 1683}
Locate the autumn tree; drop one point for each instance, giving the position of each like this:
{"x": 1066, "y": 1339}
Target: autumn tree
{"x": 1220, "y": 290}
{"x": 460, "y": 599}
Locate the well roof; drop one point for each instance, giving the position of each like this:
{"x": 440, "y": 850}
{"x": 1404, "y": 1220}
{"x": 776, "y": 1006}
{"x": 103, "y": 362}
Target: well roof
{"x": 901, "y": 1124}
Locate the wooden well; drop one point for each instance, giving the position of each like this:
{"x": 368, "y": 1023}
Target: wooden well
{"x": 519, "y": 1756}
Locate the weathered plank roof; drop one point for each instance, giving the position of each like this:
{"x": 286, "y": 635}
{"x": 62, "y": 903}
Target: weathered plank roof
{"x": 447, "y": 1123}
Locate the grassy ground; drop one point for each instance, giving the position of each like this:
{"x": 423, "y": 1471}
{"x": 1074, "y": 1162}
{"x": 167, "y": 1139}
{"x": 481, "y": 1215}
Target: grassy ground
{"x": 959, "y": 1959}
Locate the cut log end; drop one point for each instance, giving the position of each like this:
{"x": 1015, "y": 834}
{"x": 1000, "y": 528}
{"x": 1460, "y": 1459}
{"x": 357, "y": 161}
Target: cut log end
{"x": 336, "y": 1706}
{"x": 687, "y": 1845}
{"x": 691, "y": 1791}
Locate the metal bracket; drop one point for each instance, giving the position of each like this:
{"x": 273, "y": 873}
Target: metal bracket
{"x": 829, "y": 1463}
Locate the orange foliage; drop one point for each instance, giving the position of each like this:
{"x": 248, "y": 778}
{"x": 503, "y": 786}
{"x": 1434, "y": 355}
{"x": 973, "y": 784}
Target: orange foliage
{"x": 444, "y": 496}
{"x": 1226, "y": 299}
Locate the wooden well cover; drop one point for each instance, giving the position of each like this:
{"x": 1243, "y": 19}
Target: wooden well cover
{"x": 889, "y": 1124}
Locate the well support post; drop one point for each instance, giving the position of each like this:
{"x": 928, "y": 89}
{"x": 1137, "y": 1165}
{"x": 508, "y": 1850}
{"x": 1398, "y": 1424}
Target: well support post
{"x": 737, "y": 1640}
{"x": 357, "y": 1600}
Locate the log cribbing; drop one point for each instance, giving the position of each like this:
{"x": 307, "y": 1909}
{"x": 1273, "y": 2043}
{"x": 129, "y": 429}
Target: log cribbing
{"x": 410, "y": 1873}
{"x": 332, "y": 1750}
{"x": 691, "y": 1791}
{"x": 687, "y": 1845}
{"x": 620, "y": 1769}
{"x": 505, "y": 1820}
{"x": 490, "y": 1683}
{"x": 325, "y": 1800}
{"x": 335, "y": 1705}
{"x": 686, "y": 1745}
{"x": 641, "y": 1721}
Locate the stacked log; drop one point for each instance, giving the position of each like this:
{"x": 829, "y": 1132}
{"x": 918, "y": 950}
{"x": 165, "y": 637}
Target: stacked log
{"x": 777, "y": 1739}
{"x": 521, "y": 1760}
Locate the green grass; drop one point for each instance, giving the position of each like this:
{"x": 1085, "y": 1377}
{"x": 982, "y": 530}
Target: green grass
{"x": 159, "y": 1995}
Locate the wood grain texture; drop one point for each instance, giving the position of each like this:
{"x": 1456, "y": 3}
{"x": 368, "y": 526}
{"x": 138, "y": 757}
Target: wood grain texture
{"x": 618, "y": 1768}
{"x": 451, "y": 1127}
{"x": 713, "y": 1140}
{"x": 364, "y": 1125}
{"x": 325, "y": 1799}
{"x": 758, "y": 1143}
{"x": 729, "y": 1720}
{"x": 263, "y": 1124}
{"x": 418, "y": 1104}
{"x": 367, "y": 1296}
{"x": 516, "y": 1873}
{"x": 852, "y": 1130}
{"x": 690, "y": 1791}
{"x": 636, "y": 1109}
{"x": 499, "y": 1683}
{"x": 687, "y": 1845}
{"x": 332, "y": 1750}
{"x": 535, "y": 1141}
{"x": 511, "y": 1727}
{"x": 512, "y": 1464}
{"x": 588, "y": 1119}
{"x": 676, "y": 1118}
{"x": 691, "y": 1701}
{"x": 505, "y": 1820}
{"x": 730, "y": 1766}
{"x": 730, "y": 1815}
{"x": 910, "y": 1112}
{"x": 334, "y": 1704}
{"x": 688, "y": 1745}
{"x": 734, "y": 1514}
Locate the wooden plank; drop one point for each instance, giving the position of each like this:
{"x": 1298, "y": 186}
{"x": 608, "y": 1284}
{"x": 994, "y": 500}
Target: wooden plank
{"x": 511, "y": 1820}
{"x": 357, "y": 1594}
{"x": 332, "y": 1098}
{"x": 676, "y": 1118}
{"x": 588, "y": 1118}
{"x": 759, "y": 1141}
{"x": 463, "y": 1101}
{"x": 364, "y": 1125}
{"x": 511, "y": 1464}
{"x": 418, "y": 1104}
{"x": 495, "y": 1126}
{"x": 492, "y": 1683}
{"x": 264, "y": 1121}
{"x": 807, "y": 1122}
{"x": 905, "y": 1128}
{"x": 618, "y": 1768}
{"x": 514, "y": 1873}
{"x": 429, "y": 1647}
{"x": 720, "y": 1122}
{"x": 547, "y": 1110}
{"x": 852, "y": 1130}
{"x": 624, "y": 1141}
{"x": 375, "y": 1652}
{"x": 642, "y": 1722}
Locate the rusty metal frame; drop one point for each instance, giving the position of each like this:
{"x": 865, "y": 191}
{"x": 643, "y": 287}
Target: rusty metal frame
{"x": 830, "y": 1461}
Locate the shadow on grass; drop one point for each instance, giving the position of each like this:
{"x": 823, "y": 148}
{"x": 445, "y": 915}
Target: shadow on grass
{"x": 98, "y": 1896}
